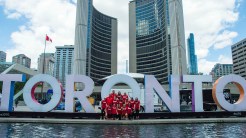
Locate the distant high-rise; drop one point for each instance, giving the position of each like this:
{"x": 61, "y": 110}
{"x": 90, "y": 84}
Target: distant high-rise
{"x": 2, "y": 56}
{"x": 95, "y": 50}
{"x": 22, "y": 60}
{"x": 220, "y": 70}
{"x": 63, "y": 62}
{"x": 49, "y": 63}
{"x": 156, "y": 38}
{"x": 238, "y": 58}
{"x": 192, "y": 58}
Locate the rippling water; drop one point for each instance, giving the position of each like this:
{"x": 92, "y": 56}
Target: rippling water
{"x": 17, "y": 130}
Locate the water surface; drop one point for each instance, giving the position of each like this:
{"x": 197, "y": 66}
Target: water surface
{"x": 19, "y": 130}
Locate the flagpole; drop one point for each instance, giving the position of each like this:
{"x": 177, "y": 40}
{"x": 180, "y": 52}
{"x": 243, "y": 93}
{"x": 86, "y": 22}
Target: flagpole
{"x": 43, "y": 71}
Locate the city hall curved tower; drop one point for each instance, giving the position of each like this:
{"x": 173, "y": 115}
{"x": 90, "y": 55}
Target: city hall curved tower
{"x": 152, "y": 50}
{"x": 95, "y": 50}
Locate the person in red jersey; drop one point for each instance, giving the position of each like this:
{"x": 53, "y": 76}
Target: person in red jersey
{"x": 126, "y": 103}
{"x": 115, "y": 101}
{"x": 114, "y": 111}
{"x": 119, "y": 112}
{"x": 113, "y": 94}
{"x": 124, "y": 111}
{"x": 103, "y": 107}
{"x": 109, "y": 112}
{"x": 109, "y": 101}
{"x": 120, "y": 103}
{"x": 132, "y": 102}
{"x": 119, "y": 96}
{"x": 136, "y": 108}
{"x": 129, "y": 112}
{"x": 124, "y": 97}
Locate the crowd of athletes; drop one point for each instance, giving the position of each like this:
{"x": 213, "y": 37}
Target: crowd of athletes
{"x": 118, "y": 107}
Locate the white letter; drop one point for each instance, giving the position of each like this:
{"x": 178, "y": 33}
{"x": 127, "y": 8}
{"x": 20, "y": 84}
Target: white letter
{"x": 152, "y": 85}
{"x": 81, "y": 95}
{"x": 120, "y": 78}
{"x": 29, "y": 98}
{"x": 8, "y": 90}
{"x": 219, "y": 97}
{"x": 197, "y": 97}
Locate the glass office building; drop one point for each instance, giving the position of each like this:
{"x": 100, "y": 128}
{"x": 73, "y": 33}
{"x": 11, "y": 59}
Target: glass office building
{"x": 192, "y": 58}
{"x": 95, "y": 42}
{"x": 150, "y": 42}
{"x": 63, "y": 62}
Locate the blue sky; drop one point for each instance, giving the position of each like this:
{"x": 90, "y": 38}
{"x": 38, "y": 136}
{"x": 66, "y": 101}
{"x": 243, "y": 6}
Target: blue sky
{"x": 239, "y": 27}
{"x": 216, "y": 25}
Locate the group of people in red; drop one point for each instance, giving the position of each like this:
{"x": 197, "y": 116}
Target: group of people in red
{"x": 117, "y": 106}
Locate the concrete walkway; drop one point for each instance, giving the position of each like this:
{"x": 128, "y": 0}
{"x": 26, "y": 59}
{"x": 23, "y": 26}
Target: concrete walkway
{"x": 123, "y": 122}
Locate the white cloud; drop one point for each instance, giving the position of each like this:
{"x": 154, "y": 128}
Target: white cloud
{"x": 53, "y": 17}
{"x": 14, "y": 15}
{"x": 206, "y": 66}
{"x": 209, "y": 20}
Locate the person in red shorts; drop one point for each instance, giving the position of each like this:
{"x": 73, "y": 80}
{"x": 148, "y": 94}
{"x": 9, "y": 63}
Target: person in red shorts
{"x": 136, "y": 108}
{"x": 119, "y": 112}
{"x": 109, "y": 112}
{"x": 129, "y": 112}
{"x": 103, "y": 107}
{"x": 114, "y": 111}
{"x": 124, "y": 111}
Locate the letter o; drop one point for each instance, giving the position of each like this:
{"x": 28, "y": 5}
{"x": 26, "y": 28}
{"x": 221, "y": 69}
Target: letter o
{"x": 29, "y": 98}
{"x": 218, "y": 95}
{"x": 120, "y": 78}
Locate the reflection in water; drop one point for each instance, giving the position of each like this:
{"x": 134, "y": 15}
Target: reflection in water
{"x": 136, "y": 131}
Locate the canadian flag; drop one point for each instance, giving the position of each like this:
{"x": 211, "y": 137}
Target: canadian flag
{"x": 48, "y": 38}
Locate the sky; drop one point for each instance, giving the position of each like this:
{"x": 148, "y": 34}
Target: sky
{"x": 216, "y": 24}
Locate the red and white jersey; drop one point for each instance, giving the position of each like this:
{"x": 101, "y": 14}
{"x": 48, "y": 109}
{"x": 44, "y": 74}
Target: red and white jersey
{"x": 114, "y": 110}
{"x": 103, "y": 104}
{"x": 137, "y": 105}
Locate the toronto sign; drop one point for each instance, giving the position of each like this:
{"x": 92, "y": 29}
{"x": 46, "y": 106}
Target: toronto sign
{"x": 151, "y": 86}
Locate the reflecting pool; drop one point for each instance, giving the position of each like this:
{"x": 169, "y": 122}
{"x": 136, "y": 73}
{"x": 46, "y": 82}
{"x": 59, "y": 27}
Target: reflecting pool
{"x": 19, "y": 130}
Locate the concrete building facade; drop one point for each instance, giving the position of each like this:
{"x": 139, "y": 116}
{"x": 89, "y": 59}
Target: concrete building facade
{"x": 95, "y": 50}
{"x": 48, "y": 67}
{"x": 63, "y": 62}
{"x": 220, "y": 70}
{"x": 192, "y": 58}
{"x": 156, "y": 46}
{"x": 2, "y": 56}
{"x": 239, "y": 58}
{"x": 22, "y": 60}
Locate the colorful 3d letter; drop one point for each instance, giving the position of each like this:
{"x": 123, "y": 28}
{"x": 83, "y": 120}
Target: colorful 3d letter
{"x": 81, "y": 95}
{"x": 152, "y": 85}
{"x": 29, "y": 98}
{"x": 120, "y": 78}
{"x": 197, "y": 97}
{"x": 8, "y": 90}
{"x": 218, "y": 95}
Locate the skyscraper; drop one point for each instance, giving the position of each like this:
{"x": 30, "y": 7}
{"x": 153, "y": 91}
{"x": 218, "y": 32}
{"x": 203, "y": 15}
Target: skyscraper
{"x": 238, "y": 58}
{"x": 156, "y": 46}
{"x": 22, "y": 60}
{"x": 63, "y": 62}
{"x": 192, "y": 58}
{"x": 49, "y": 63}
{"x": 2, "y": 56}
{"x": 95, "y": 50}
